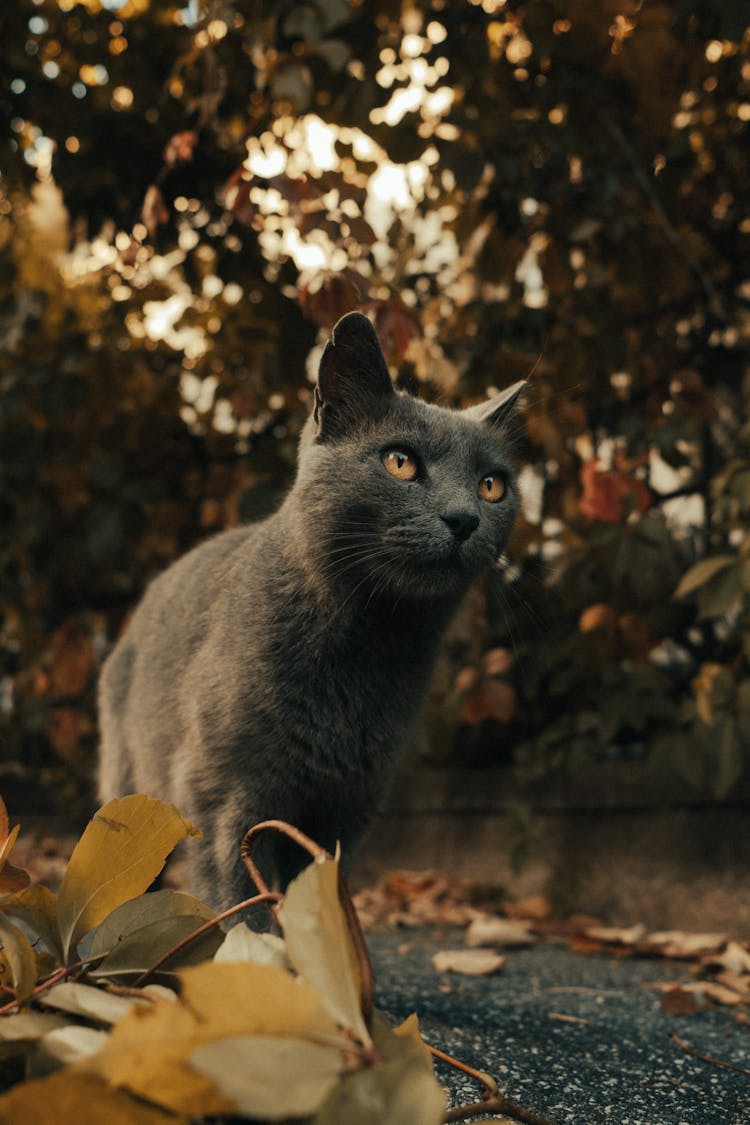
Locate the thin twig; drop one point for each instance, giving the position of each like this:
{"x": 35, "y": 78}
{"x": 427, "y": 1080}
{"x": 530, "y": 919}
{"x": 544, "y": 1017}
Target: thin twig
{"x": 366, "y": 979}
{"x": 498, "y": 1104}
{"x": 706, "y": 1058}
{"x": 256, "y": 900}
{"x": 489, "y": 1083}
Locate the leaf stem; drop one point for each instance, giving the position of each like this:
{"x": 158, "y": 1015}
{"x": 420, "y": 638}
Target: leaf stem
{"x": 256, "y": 900}
{"x": 366, "y": 977}
{"x": 497, "y": 1104}
{"x": 706, "y": 1058}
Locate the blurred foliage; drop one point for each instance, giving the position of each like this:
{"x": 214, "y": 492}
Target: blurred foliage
{"x": 189, "y": 198}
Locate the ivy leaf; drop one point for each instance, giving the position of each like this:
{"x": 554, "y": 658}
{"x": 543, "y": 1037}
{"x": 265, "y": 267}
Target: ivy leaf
{"x": 21, "y": 958}
{"x": 272, "y": 1078}
{"x": 319, "y": 945}
{"x": 122, "y": 850}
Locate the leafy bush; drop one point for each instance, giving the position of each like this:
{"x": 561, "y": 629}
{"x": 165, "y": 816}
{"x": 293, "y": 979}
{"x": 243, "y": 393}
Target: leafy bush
{"x": 192, "y": 195}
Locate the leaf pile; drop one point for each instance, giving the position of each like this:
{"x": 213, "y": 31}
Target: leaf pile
{"x": 242, "y": 1024}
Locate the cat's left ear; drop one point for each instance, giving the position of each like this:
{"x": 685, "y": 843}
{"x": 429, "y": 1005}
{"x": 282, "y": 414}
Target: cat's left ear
{"x": 353, "y": 379}
{"x": 495, "y": 411}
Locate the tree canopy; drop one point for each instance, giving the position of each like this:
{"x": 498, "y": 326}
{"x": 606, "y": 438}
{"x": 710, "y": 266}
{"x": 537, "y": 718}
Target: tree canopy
{"x": 190, "y": 196}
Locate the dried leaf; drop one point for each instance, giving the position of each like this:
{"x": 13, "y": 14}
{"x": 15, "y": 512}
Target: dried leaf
{"x": 83, "y": 1098}
{"x": 119, "y": 855}
{"x": 677, "y": 943}
{"x": 21, "y": 958}
{"x": 616, "y": 935}
{"x": 680, "y": 1001}
{"x": 488, "y": 929}
{"x": 243, "y": 944}
{"x": 36, "y": 907}
{"x": 269, "y": 1077}
{"x": 319, "y": 945}
{"x": 147, "y": 1051}
{"x": 89, "y": 1002}
{"x": 735, "y": 958}
{"x": 468, "y": 962}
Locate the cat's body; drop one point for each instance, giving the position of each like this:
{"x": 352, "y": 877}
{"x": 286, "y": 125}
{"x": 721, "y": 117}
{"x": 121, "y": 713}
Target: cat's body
{"x": 275, "y": 670}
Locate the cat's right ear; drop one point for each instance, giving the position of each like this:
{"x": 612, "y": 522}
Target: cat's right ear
{"x": 353, "y": 379}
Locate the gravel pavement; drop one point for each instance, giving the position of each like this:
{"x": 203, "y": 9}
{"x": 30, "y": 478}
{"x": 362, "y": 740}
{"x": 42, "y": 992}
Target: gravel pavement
{"x": 576, "y": 1038}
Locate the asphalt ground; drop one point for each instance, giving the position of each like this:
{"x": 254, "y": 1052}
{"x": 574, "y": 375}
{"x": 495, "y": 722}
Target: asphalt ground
{"x": 576, "y": 1038}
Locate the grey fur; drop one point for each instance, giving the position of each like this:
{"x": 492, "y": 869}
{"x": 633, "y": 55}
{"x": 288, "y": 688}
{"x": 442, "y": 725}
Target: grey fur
{"x": 275, "y": 670}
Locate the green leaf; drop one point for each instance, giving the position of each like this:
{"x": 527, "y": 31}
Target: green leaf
{"x": 268, "y": 1077}
{"x": 36, "y": 907}
{"x": 701, "y": 573}
{"x": 122, "y": 850}
{"x": 142, "y": 911}
{"x": 319, "y": 945}
{"x": 139, "y": 950}
{"x": 720, "y": 594}
{"x": 401, "y": 1091}
{"x": 21, "y": 958}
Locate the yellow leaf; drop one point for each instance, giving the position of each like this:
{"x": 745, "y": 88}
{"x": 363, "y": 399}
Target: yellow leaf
{"x": 37, "y": 907}
{"x": 319, "y": 945}
{"x": 148, "y": 1050}
{"x": 119, "y": 855}
{"x": 21, "y": 958}
{"x": 81, "y": 1098}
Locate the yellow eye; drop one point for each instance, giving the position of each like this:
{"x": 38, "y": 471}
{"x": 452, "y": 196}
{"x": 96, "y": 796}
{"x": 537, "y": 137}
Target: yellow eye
{"x": 491, "y": 488}
{"x": 400, "y": 464}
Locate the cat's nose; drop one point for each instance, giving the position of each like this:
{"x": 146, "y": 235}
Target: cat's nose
{"x": 462, "y": 524}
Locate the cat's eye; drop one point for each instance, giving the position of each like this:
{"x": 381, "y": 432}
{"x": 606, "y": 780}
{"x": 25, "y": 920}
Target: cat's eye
{"x": 491, "y": 488}
{"x": 400, "y": 464}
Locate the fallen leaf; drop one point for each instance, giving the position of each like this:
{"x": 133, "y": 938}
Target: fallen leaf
{"x": 82, "y": 1098}
{"x": 616, "y": 935}
{"x": 319, "y": 945}
{"x": 119, "y": 855}
{"x": 721, "y": 993}
{"x": 735, "y": 958}
{"x": 488, "y": 929}
{"x": 536, "y": 907}
{"x": 680, "y": 1000}
{"x": 469, "y": 962}
{"x": 21, "y": 958}
{"x": 270, "y": 1077}
{"x": 679, "y": 944}
{"x": 243, "y": 944}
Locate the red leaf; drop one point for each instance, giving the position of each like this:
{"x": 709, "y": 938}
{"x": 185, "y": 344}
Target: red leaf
{"x": 611, "y": 494}
{"x": 180, "y": 147}
{"x": 154, "y": 212}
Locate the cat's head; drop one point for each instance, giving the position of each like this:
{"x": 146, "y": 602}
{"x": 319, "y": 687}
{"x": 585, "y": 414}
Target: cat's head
{"x": 395, "y": 495}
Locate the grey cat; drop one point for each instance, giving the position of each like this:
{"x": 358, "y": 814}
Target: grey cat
{"x": 275, "y": 670}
